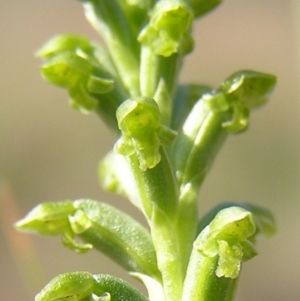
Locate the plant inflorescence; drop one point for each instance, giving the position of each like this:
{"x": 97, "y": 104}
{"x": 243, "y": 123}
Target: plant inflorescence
{"x": 167, "y": 136}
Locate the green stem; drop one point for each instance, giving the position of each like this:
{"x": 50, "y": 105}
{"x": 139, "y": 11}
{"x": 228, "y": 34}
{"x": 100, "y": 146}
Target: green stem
{"x": 159, "y": 197}
{"x": 186, "y": 223}
{"x": 156, "y": 67}
{"x": 168, "y": 254}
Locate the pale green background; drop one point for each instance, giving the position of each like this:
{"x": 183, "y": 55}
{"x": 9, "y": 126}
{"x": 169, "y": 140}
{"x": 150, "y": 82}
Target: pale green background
{"x": 49, "y": 152}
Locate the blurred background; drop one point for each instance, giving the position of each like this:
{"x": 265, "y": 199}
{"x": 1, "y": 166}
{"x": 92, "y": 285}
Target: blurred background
{"x": 49, "y": 152}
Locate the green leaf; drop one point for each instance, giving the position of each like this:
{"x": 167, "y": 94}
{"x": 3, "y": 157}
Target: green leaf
{"x": 168, "y": 27}
{"x": 75, "y": 286}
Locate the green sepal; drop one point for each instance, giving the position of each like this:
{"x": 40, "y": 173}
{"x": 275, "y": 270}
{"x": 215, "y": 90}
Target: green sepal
{"x": 142, "y": 132}
{"x": 74, "y": 286}
{"x": 263, "y": 218}
{"x": 226, "y": 236}
{"x": 116, "y": 289}
{"x": 202, "y": 7}
{"x": 66, "y": 69}
{"x": 168, "y": 28}
{"x": 65, "y": 42}
{"x": 49, "y": 218}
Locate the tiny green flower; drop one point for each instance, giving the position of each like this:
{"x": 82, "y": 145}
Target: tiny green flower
{"x": 142, "y": 132}
{"x": 227, "y": 237}
{"x": 168, "y": 29}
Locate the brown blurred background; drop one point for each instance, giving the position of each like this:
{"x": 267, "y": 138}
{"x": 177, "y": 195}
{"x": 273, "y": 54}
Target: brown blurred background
{"x": 49, "y": 152}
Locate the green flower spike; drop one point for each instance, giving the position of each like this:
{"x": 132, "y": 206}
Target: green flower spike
{"x": 142, "y": 132}
{"x": 167, "y": 31}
